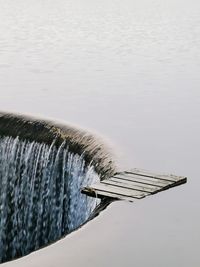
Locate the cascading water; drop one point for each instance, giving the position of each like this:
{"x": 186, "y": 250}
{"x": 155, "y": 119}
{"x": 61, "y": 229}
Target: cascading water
{"x": 40, "y": 192}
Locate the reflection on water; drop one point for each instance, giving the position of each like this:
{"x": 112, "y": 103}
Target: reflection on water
{"x": 130, "y": 70}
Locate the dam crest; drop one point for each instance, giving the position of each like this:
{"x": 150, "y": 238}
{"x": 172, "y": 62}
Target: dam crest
{"x": 43, "y": 166}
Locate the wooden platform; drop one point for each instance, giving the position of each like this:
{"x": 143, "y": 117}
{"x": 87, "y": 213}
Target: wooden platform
{"x": 133, "y": 184}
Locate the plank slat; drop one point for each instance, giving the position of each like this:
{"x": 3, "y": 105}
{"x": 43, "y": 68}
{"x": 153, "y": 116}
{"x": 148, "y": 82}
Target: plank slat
{"x": 132, "y": 182}
{"x": 131, "y": 185}
{"x": 165, "y": 177}
{"x": 102, "y": 194}
{"x": 120, "y": 191}
{"x": 142, "y": 179}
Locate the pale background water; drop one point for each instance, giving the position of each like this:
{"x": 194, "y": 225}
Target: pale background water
{"x": 130, "y": 71}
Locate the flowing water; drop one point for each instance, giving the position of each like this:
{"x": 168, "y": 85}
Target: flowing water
{"x": 40, "y": 197}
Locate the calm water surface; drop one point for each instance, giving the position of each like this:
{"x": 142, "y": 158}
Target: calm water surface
{"x": 130, "y": 71}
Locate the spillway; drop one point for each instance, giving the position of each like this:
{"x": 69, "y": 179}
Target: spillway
{"x": 43, "y": 166}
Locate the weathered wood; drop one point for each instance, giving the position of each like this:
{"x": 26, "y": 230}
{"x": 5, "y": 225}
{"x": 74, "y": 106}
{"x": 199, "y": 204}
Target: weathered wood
{"x": 119, "y": 191}
{"x": 142, "y": 179}
{"x": 133, "y": 184}
{"x": 102, "y": 194}
{"x": 164, "y": 177}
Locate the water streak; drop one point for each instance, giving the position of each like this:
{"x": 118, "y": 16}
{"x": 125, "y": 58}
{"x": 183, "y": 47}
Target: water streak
{"x": 40, "y": 198}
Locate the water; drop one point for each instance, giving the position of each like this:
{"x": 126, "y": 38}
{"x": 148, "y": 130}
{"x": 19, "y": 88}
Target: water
{"x": 130, "y": 71}
{"x": 40, "y": 198}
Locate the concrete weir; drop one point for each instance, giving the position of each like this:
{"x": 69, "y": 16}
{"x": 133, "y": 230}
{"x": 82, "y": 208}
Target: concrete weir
{"x": 43, "y": 167}
{"x": 79, "y": 141}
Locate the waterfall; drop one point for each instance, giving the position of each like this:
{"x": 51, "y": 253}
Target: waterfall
{"x": 40, "y": 198}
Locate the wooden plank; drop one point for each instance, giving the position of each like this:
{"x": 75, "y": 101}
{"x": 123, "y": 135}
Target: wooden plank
{"x": 134, "y": 184}
{"x": 131, "y": 185}
{"x": 102, "y": 194}
{"x": 165, "y": 177}
{"x": 119, "y": 191}
{"x": 124, "y": 179}
{"x": 179, "y": 182}
{"x": 152, "y": 180}
{"x": 142, "y": 179}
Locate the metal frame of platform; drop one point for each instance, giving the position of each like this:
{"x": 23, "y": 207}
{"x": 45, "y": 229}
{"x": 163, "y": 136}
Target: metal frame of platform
{"x": 133, "y": 184}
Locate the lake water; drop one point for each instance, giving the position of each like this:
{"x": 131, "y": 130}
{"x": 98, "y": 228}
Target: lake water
{"x": 128, "y": 70}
